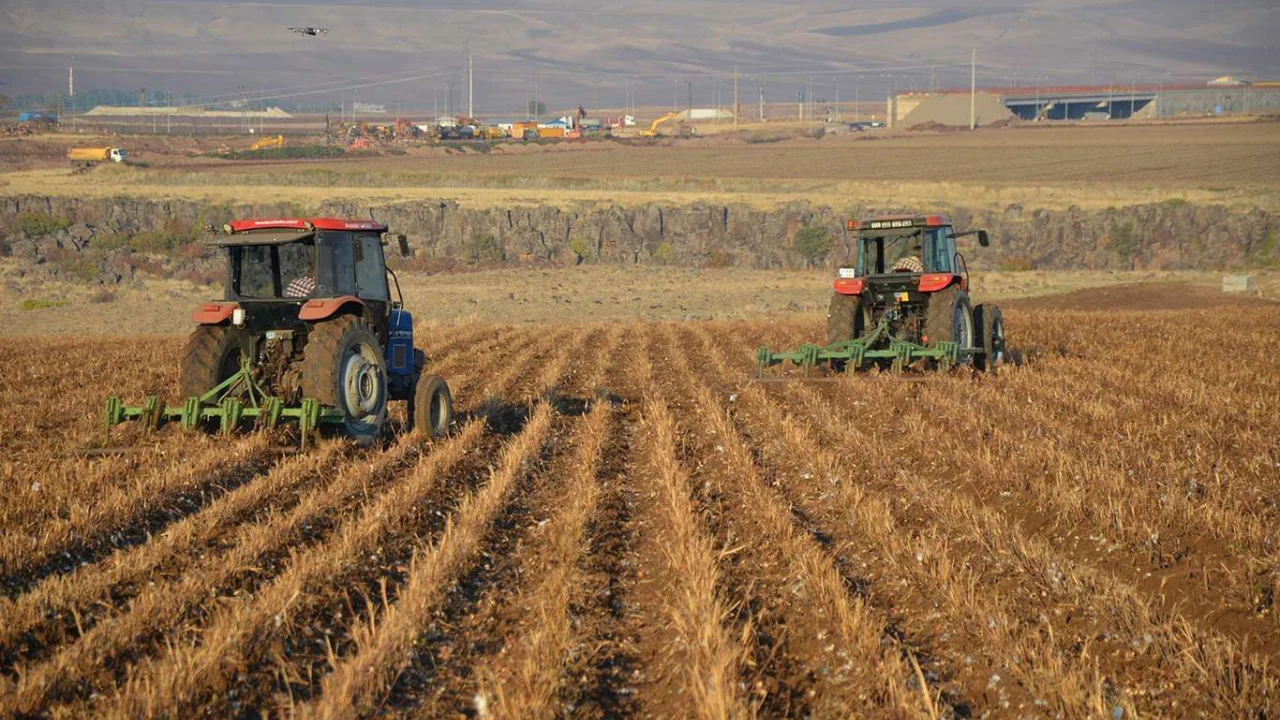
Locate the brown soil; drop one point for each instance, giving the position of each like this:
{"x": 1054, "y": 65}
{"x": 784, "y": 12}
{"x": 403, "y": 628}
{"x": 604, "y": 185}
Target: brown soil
{"x": 1090, "y": 533}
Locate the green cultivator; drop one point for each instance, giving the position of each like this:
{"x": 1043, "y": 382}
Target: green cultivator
{"x": 875, "y": 349}
{"x": 237, "y": 399}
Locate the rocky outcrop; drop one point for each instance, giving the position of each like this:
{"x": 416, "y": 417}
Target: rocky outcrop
{"x": 1155, "y": 236}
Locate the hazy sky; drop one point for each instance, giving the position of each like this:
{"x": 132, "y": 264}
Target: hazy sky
{"x": 410, "y": 51}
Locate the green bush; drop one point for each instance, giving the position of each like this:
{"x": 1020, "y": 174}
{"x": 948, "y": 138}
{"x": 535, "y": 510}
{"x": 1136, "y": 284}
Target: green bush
{"x": 292, "y": 152}
{"x": 579, "y": 247}
{"x": 720, "y": 258}
{"x": 38, "y": 224}
{"x": 664, "y": 254}
{"x": 1176, "y": 202}
{"x": 35, "y": 304}
{"x": 813, "y": 243}
{"x": 1123, "y": 240}
{"x": 485, "y": 248}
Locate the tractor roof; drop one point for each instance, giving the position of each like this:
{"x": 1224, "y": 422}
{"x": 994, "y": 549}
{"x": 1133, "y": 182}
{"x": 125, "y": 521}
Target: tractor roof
{"x": 886, "y": 222}
{"x": 287, "y": 230}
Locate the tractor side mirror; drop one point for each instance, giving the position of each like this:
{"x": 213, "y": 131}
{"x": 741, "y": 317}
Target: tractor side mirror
{"x": 404, "y": 245}
{"x": 983, "y": 239}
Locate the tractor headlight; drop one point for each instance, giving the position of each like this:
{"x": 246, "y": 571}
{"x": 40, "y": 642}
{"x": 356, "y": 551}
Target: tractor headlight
{"x": 237, "y": 317}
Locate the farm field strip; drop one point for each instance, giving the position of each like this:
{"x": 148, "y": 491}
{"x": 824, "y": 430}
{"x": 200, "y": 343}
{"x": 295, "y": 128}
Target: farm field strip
{"x": 821, "y": 633}
{"x": 487, "y": 566}
{"x": 241, "y": 633}
{"x": 174, "y": 609}
{"x": 620, "y": 524}
{"x": 997, "y": 537}
{"x": 685, "y": 611}
{"x": 477, "y": 629}
{"x": 73, "y": 602}
{"x": 925, "y": 576}
{"x": 381, "y": 646}
{"x": 130, "y": 510}
{"x": 525, "y": 677}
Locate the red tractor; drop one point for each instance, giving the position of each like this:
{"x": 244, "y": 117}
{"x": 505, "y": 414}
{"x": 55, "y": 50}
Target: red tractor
{"x": 905, "y": 303}
{"x": 308, "y": 331}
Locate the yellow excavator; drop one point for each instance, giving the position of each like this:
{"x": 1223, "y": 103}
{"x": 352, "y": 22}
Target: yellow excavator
{"x": 275, "y": 141}
{"x": 653, "y": 128}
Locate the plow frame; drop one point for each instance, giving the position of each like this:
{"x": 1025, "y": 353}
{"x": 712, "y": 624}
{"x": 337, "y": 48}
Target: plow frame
{"x": 870, "y": 349}
{"x": 234, "y": 400}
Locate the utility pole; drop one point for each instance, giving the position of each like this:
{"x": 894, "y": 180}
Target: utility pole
{"x": 839, "y": 110}
{"x": 689, "y": 87}
{"x": 973, "y": 90}
{"x": 71, "y": 90}
{"x": 471, "y": 91}
{"x": 762, "y": 103}
{"x": 1133, "y": 98}
{"x": 857, "y": 89}
{"x": 736, "y": 108}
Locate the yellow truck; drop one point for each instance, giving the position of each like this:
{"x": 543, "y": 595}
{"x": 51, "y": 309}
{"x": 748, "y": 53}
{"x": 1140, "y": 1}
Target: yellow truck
{"x": 84, "y": 157}
{"x": 276, "y": 141}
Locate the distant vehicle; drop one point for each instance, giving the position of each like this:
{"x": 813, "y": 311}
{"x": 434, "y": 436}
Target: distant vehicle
{"x": 29, "y": 116}
{"x": 276, "y": 141}
{"x": 312, "y": 31}
{"x": 86, "y": 157}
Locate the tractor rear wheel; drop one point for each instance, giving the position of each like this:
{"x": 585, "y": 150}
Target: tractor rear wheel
{"x": 343, "y": 367}
{"x": 210, "y": 356}
{"x": 847, "y": 318}
{"x": 990, "y": 321}
{"x": 949, "y": 319}
{"x": 431, "y": 409}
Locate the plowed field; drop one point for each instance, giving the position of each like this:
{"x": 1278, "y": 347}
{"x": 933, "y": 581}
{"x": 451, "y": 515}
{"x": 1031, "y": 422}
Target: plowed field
{"x": 622, "y": 525}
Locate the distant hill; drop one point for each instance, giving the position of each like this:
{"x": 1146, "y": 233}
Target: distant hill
{"x": 576, "y": 51}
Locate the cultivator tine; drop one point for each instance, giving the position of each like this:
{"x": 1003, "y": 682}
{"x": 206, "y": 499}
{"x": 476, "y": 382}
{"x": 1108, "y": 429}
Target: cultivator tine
{"x": 269, "y": 414}
{"x": 232, "y": 411}
{"x": 190, "y": 413}
{"x": 114, "y": 412}
{"x": 153, "y": 413}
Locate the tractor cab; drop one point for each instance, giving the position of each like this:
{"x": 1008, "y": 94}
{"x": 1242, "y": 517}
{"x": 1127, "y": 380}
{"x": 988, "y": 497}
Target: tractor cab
{"x": 297, "y": 271}
{"x": 905, "y": 253}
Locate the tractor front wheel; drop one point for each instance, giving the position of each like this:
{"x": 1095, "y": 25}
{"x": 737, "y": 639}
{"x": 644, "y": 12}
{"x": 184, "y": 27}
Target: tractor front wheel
{"x": 991, "y": 323}
{"x": 210, "y": 356}
{"x": 950, "y": 319}
{"x": 431, "y": 409}
{"x": 343, "y": 367}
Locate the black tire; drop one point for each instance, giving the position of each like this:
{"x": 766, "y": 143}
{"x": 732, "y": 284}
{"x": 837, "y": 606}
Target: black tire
{"x": 847, "y": 318}
{"x": 990, "y": 322}
{"x": 343, "y": 367}
{"x": 950, "y": 319}
{"x": 431, "y": 409}
{"x": 210, "y": 355}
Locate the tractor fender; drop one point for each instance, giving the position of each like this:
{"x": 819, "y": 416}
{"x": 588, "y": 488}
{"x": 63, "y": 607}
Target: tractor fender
{"x": 325, "y": 308}
{"x": 214, "y": 313}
